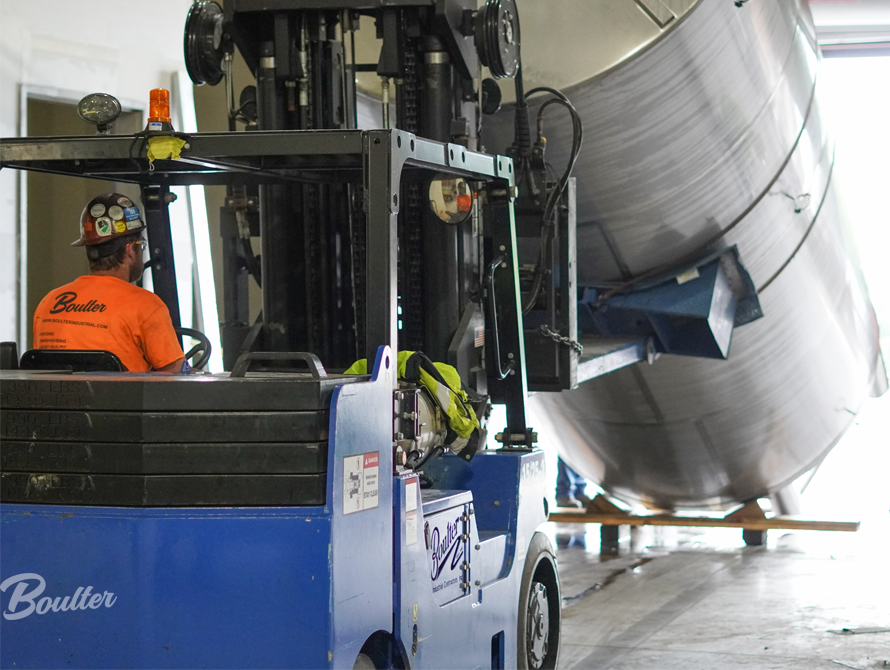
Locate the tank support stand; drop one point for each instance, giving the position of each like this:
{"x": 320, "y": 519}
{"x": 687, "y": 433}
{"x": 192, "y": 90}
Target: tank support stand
{"x": 750, "y": 518}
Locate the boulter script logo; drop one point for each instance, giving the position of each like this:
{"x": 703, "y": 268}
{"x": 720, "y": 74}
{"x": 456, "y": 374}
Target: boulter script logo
{"x": 445, "y": 547}
{"x": 23, "y": 603}
{"x": 65, "y": 303}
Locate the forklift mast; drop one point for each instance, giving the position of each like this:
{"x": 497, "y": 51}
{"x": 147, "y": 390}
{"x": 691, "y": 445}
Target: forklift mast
{"x": 313, "y": 241}
{"x": 175, "y": 495}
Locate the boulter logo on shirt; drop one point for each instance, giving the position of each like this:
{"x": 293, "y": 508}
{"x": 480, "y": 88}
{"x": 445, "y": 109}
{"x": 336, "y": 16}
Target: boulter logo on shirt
{"x": 65, "y": 303}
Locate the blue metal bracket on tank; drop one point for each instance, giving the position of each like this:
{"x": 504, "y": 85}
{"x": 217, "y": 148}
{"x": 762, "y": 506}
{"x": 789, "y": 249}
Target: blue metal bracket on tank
{"x": 691, "y": 311}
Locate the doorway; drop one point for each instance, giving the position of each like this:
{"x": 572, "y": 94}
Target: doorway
{"x": 54, "y": 203}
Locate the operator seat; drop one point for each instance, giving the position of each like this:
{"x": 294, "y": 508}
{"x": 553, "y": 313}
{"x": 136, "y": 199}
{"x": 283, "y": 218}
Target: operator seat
{"x": 71, "y": 359}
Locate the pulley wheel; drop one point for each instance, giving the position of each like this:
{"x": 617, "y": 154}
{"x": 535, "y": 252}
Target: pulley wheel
{"x": 205, "y": 44}
{"x": 497, "y": 37}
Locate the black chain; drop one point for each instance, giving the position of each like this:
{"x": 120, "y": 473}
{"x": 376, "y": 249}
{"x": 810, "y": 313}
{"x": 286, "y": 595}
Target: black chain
{"x": 411, "y": 217}
{"x": 561, "y": 339}
{"x": 359, "y": 256}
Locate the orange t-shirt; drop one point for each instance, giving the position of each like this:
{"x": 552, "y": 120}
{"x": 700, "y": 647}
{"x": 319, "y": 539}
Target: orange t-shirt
{"x": 107, "y": 313}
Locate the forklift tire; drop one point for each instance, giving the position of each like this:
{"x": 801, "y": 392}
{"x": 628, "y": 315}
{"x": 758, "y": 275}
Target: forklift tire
{"x": 380, "y": 652}
{"x": 540, "y": 608}
{"x": 363, "y": 662}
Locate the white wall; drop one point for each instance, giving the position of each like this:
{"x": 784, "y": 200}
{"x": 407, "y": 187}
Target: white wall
{"x": 123, "y": 47}
{"x": 850, "y": 12}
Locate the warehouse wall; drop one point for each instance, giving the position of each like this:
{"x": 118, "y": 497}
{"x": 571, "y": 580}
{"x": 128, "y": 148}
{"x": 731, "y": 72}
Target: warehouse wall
{"x": 55, "y": 202}
{"x": 62, "y": 50}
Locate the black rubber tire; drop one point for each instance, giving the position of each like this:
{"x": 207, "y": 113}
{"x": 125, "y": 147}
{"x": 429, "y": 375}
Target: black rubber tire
{"x": 380, "y": 652}
{"x": 363, "y": 662}
{"x": 540, "y": 568}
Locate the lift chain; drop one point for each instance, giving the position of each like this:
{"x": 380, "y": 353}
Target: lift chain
{"x": 560, "y": 339}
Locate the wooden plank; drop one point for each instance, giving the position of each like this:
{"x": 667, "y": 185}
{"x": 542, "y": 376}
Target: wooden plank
{"x": 764, "y": 523}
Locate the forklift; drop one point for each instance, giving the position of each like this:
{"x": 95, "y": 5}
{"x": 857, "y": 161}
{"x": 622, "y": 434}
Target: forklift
{"x": 332, "y": 499}
{"x": 312, "y": 506}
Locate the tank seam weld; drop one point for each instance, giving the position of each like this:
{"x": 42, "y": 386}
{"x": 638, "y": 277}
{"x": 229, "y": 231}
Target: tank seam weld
{"x": 806, "y": 233}
{"x": 695, "y": 253}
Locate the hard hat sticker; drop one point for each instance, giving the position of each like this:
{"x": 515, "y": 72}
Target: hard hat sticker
{"x": 134, "y": 224}
{"x": 131, "y": 213}
{"x": 115, "y": 212}
{"x": 97, "y": 210}
{"x": 120, "y": 226}
{"x": 124, "y": 202}
{"x": 103, "y": 226}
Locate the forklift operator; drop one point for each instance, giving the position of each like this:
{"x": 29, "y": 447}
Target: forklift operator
{"x": 104, "y": 310}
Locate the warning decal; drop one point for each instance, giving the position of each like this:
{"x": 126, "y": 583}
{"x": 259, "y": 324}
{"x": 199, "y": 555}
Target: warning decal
{"x": 361, "y": 482}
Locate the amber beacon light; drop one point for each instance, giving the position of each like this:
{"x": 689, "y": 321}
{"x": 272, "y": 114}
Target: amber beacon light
{"x": 159, "y": 106}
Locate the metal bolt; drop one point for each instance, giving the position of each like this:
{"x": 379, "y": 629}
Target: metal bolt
{"x": 497, "y": 503}
{"x": 478, "y": 547}
{"x": 509, "y": 355}
{"x": 502, "y": 248}
{"x": 478, "y": 582}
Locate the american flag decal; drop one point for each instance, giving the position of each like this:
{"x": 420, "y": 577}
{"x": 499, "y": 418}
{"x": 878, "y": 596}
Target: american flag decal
{"x": 479, "y": 336}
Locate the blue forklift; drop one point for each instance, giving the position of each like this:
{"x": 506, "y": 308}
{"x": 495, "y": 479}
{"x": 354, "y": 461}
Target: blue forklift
{"x": 292, "y": 512}
{"x": 332, "y": 499}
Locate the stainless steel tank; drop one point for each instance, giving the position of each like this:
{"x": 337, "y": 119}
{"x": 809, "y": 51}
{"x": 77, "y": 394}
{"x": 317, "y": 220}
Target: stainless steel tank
{"x": 702, "y": 129}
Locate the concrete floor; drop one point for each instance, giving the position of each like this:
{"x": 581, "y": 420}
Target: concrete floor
{"x": 698, "y": 598}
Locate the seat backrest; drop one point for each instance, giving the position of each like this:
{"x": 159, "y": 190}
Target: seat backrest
{"x": 9, "y": 356}
{"x": 71, "y": 359}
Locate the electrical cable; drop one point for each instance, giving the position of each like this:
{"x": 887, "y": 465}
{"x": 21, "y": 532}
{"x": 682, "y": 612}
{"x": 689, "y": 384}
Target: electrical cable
{"x": 558, "y": 190}
{"x": 546, "y": 89}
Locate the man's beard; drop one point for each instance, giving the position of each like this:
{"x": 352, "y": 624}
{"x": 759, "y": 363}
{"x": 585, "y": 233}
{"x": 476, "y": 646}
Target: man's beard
{"x": 137, "y": 269}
